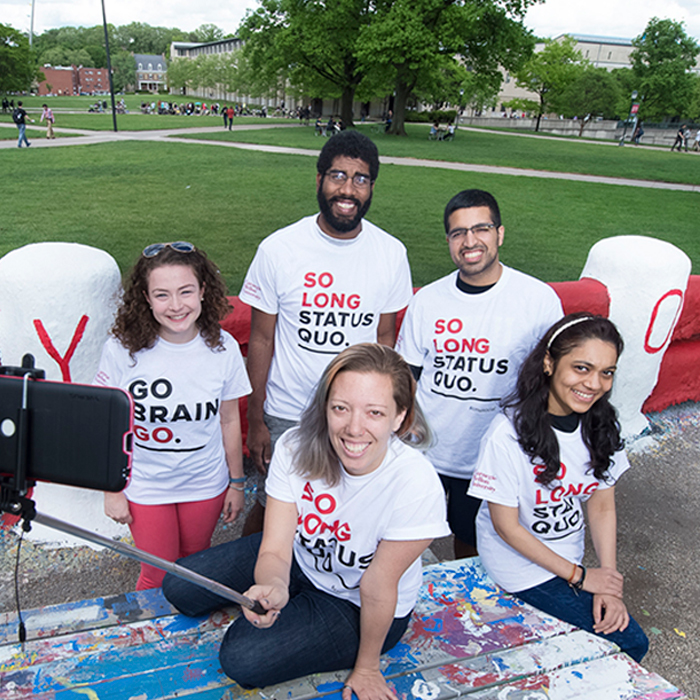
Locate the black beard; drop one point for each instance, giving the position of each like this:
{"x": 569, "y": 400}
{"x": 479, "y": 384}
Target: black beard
{"x": 341, "y": 225}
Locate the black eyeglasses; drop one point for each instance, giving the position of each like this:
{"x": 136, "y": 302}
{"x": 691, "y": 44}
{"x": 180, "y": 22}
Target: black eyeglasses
{"x": 150, "y": 251}
{"x": 478, "y": 230}
{"x": 340, "y": 177}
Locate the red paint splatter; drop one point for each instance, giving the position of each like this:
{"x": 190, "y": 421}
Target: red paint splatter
{"x": 63, "y": 362}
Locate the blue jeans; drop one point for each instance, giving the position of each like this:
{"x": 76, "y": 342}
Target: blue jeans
{"x": 22, "y": 135}
{"x": 315, "y": 631}
{"x": 557, "y": 598}
{"x": 276, "y": 426}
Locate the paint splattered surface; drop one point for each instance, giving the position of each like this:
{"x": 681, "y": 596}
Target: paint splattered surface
{"x": 466, "y": 638}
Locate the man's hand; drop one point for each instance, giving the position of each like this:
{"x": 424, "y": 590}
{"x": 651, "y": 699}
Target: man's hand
{"x": 259, "y": 445}
{"x": 234, "y": 504}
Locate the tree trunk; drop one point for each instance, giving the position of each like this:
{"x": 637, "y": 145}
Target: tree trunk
{"x": 537, "y": 123}
{"x": 346, "y": 103}
{"x": 403, "y": 91}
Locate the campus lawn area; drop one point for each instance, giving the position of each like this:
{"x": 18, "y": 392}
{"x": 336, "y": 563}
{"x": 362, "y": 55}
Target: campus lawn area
{"x": 81, "y": 103}
{"x": 504, "y": 149}
{"x": 138, "y": 121}
{"x": 123, "y": 196}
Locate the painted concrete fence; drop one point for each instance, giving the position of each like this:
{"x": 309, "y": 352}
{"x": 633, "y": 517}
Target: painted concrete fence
{"x": 57, "y": 301}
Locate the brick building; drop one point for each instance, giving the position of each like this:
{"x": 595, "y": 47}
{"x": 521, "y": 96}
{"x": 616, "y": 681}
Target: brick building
{"x": 74, "y": 80}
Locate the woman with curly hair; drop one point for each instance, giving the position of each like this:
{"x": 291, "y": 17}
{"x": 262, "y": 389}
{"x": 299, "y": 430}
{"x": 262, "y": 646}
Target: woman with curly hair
{"x": 558, "y": 446}
{"x": 185, "y": 375}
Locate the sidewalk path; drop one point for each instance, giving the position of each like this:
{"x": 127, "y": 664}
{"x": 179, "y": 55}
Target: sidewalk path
{"x": 83, "y": 137}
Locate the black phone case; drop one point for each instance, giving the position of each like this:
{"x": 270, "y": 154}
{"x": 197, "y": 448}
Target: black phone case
{"x": 78, "y": 434}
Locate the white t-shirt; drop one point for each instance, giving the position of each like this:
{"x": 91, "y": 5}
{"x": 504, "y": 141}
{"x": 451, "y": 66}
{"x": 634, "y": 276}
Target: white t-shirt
{"x": 177, "y": 389}
{"x": 327, "y": 294}
{"x": 340, "y": 527}
{"x": 553, "y": 513}
{"x": 470, "y": 347}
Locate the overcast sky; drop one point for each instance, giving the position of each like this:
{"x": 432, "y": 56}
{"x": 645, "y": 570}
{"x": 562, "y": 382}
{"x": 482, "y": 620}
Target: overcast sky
{"x": 613, "y": 18}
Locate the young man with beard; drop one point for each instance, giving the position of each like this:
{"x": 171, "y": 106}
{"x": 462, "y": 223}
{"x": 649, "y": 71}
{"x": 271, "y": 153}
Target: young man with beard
{"x": 324, "y": 283}
{"x": 465, "y": 336}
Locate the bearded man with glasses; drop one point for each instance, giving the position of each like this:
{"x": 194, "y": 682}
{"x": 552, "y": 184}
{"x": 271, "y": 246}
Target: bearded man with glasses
{"x": 465, "y": 336}
{"x": 326, "y": 282}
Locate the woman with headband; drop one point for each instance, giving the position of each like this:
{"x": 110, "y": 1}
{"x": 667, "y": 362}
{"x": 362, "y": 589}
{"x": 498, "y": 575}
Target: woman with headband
{"x": 186, "y": 376}
{"x": 556, "y": 447}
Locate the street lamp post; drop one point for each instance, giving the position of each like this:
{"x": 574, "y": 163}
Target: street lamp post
{"x": 634, "y": 108}
{"x": 109, "y": 67}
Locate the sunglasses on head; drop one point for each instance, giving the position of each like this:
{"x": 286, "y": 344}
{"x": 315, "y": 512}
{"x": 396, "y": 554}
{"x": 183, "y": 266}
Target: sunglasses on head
{"x": 150, "y": 251}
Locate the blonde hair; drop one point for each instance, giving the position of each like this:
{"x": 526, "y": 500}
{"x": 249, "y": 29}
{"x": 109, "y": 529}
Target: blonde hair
{"x": 314, "y": 456}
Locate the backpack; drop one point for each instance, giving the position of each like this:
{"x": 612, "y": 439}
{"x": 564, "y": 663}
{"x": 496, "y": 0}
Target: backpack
{"x": 17, "y": 116}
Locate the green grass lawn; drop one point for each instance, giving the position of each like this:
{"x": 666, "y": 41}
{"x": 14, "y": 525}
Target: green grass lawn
{"x": 138, "y": 121}
{"x": 122, "y": 196}
{"x": 505, "y": 149}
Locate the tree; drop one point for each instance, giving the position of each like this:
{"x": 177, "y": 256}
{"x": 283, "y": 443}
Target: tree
{"x": 17, "y": 67}
{"x": 206, "y": 33}
{"x": 142, "y": 38}
{"x": 661, "y": 60}
{"x": 409, "y": 39}
{"x": 63, "y": 56}
{"x": 310, "y": 42}
{"x": 182, "y": 74}
{"x": 123, "y": 70}
{"x": 549, "y": 72}
{"x": 593, "y": 92}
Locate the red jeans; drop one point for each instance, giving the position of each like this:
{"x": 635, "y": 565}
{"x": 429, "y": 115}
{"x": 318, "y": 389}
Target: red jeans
{"x": 171, "y": 531}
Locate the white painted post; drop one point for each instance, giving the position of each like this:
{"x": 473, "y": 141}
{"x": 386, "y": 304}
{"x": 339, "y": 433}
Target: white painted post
{"x": 646, "y": 280}
{"x": 57, "y": 302}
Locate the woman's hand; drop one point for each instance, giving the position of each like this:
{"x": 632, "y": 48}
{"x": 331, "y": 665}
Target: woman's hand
{"x": 609, "y": 614}
{"x": 234, "y": 503}
{"x": 272, "y": 598}
{"x": 603, "y": 581}
{"x": 117, "y": 508}
{"x": 367, "y": 684}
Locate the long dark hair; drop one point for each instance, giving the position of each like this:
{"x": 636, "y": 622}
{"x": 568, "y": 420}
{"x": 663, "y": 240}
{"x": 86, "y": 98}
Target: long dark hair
{"x": 136, "y": 328}
{"x": 600, "y": 429}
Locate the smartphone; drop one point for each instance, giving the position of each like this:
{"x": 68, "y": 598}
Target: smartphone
{"x": 76, "y": 434}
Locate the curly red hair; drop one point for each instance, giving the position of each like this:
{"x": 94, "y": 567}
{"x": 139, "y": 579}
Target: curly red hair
{"x": 136, "y": 328}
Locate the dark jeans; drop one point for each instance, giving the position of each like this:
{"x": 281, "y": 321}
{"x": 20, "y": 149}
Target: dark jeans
{"x": 315, "y": 631}
{"x": 557, "y": 598}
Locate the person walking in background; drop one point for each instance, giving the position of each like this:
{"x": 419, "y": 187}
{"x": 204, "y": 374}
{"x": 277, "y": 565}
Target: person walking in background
{"x": 48, "y": 115}
{"x": 19, "y": 117}
{"x": 638, "y": 133}
{"x": 679, "y": 139}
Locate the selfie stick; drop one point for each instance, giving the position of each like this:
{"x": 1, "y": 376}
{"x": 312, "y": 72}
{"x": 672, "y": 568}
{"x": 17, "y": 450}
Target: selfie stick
{"x": 13, "y": 500}
{"x": 144, "y": 557}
